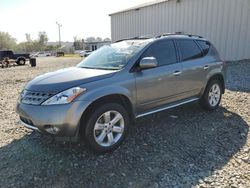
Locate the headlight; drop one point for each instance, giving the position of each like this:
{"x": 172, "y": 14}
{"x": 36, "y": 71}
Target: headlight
{"x": 65, "y": 96}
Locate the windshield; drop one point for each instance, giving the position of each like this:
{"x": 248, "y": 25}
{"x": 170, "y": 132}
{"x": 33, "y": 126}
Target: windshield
{"x": 114, "y": 56}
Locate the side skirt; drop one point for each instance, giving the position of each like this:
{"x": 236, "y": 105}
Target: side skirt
{"x": 167, "y": 107}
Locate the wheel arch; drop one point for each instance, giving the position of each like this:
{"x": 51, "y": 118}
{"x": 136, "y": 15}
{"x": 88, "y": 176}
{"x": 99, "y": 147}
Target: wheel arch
{"x": 217, "y": 76}
{"x": 110, "y": 98}
{"x": 20, "y": 58}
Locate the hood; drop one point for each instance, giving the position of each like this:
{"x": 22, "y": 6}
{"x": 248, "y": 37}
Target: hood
{"x": 66, "y": 78}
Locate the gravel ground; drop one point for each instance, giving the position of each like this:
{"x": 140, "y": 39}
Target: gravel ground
{"x": 182, "y": 147}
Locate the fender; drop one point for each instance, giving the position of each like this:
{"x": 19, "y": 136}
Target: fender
{"x": 216, "y": 71}
{"x": 93, "y": 95}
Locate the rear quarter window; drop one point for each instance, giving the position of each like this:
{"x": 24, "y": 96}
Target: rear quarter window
{"x": 188, "y": 50}
{"x": 205, "y": 46}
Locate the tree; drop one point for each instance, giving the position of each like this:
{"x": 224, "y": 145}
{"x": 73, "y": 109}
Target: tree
{"x": 90, "y": 39}
{"x": 107, "y": 39}
{"x": 42, "y": 38}
{"x": 30, "y": 45}
{"x": 78, "y": 44}
{"x": 98, "y": 39}
{"x": 26, "y": 46}
{"x": 6, "y": 41}
{"x": 27, "y": 36}
{"x": 51, "y": 47}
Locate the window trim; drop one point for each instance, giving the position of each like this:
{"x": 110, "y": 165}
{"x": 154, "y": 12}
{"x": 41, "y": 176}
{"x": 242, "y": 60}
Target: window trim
{"x": 197, "y": 41}
{"x": 133, "y": 69}
{"x": 179, "y": 51}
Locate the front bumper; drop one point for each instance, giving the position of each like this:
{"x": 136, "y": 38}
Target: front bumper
{"x": 65, "y": 117}
{"x": 29, "y": 126}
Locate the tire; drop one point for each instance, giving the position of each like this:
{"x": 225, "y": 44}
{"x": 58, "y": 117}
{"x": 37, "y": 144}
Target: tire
{"x": 106, "y": 136}
{"x": 212, "y": 95}
{"x": 21, "y": 61}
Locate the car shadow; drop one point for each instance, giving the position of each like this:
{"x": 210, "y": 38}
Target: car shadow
{"x": 178, "y": 147}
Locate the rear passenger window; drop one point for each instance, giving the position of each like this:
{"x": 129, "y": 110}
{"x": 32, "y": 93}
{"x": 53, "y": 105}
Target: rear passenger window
{"x": 163, "y": 51}
{"x": 205, "y": 46}
{"x": 189, "y": 50}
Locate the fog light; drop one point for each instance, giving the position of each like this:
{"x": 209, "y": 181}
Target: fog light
{"x": 52, "y": 130}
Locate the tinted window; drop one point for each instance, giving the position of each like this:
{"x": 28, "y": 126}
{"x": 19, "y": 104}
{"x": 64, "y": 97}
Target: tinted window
{"x": 205, "y": 46}
{"x": 163, "y": 51}
{"x": 188, "y": 50}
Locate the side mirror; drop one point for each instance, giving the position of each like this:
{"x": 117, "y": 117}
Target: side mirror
{"x": 147, "y": 63}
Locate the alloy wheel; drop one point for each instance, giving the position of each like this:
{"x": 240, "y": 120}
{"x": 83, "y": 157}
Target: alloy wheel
{"x": 109, "y": 128}
{"x": 214, "y": 95}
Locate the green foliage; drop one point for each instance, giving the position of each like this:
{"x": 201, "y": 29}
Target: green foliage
{"x": 78, "y": 44}
{"x": 42, "y": 38}
{"x": 40, "y": 44}
{"x": 6, "y": 41}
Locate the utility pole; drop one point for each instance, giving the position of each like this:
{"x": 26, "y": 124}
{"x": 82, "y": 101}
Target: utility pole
{"x": 59, "y": 30}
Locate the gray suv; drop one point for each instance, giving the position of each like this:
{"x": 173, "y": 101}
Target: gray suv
{"x": 99, "y": 98}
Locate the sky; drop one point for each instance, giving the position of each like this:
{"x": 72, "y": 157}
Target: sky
{"x": 81, "y": 18}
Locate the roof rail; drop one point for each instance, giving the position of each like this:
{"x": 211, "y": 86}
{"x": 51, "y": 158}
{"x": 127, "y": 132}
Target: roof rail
{"x": 139, "y": 37}
{"x": 159, "y": 36}
{"x": 166, "y": 34}
{"x": 190, "y": 35}
{"x": 177, "y": 33}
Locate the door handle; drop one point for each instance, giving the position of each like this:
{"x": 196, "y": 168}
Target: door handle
{"x": 177, "y": 73}
{"x": 205, "y": 67}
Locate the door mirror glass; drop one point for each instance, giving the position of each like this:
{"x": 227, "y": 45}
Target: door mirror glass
{"x": 148, "y": 62}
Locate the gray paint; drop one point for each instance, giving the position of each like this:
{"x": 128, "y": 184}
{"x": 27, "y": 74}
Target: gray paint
{"x": 148, "y": 90}
{"x": 226, "y": 23}
{"x": 66, "y": 78}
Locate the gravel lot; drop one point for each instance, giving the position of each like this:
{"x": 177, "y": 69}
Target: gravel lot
{"x": 182, "y": 147}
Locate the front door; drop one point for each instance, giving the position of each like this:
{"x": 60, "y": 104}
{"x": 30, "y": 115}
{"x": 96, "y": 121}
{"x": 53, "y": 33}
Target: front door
{"x": 161, "y": 85}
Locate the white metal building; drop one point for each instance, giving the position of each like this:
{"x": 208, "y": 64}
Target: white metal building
{"x": 95, "y": 45}
{"x": 226, "y": 23}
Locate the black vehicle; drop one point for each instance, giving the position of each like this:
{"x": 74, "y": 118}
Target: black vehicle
{"x": 19, "y": 58}
{"x": 59, "y": 54}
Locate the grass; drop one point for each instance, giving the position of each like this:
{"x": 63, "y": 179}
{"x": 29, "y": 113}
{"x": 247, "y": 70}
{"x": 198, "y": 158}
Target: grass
{"x": 71, "y": 55}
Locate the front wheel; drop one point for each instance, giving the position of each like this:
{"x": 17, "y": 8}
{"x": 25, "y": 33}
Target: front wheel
{"x": 212, "y": 95}
{"x": 106, "y": 127}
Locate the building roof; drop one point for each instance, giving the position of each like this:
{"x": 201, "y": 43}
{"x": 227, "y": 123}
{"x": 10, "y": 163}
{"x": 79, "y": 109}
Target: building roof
{"x": 140, "y": 6}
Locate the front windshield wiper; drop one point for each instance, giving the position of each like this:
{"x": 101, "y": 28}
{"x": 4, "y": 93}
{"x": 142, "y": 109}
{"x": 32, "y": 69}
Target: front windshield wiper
{"x": 104, "y": 68}
{"x": 101, "y": 68}
{"x": 88, "y": 67}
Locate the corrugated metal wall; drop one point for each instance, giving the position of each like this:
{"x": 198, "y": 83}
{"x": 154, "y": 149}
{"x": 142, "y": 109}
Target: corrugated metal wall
{"x": 226, "y": 23}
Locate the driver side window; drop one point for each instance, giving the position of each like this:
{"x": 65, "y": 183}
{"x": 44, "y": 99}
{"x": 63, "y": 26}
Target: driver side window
{"x": 163, "y": 51}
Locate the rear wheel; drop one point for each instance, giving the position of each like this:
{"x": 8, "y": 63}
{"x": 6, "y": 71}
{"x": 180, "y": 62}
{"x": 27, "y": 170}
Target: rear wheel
{"x": 106, "y": 127}
{"x": 21, "y": 62}
{"x": 212, "y": 95}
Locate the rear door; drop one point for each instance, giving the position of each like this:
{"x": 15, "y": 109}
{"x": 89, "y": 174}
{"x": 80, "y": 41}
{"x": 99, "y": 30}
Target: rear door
{"x": 193, "y": 66}
{"x": 160, "y": 85}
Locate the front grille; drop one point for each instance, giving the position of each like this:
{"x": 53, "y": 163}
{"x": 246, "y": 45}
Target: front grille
{"x": 27, "y": 121}
{"x": 34, "y": 98}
